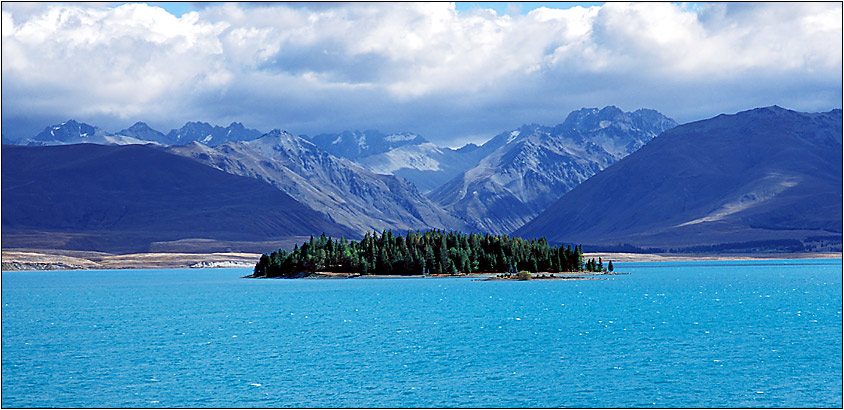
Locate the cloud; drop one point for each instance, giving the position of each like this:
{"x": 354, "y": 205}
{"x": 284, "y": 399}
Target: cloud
{"x": 423, "y": 67}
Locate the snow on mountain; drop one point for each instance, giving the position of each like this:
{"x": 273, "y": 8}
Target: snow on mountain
{"x": 421, "y": 157}
{"x": 210, "y": 135}
{"x": 72, "y": 132}
{"x": 425, "y": 165}
{"x": 124, "y": 140}
{"x": 358, "y": 144}
{"x": 528, "y": 169}
{"x": 69, "y": 132}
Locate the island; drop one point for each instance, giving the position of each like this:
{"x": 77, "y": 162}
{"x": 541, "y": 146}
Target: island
{"x": 423, "y": 253}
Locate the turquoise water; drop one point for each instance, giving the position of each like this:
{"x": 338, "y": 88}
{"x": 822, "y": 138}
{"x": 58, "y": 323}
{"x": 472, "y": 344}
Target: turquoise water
{"x": 733, "y": 334}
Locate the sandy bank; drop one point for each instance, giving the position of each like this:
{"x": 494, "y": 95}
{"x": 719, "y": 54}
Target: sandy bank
{"x": 16, "y": 260}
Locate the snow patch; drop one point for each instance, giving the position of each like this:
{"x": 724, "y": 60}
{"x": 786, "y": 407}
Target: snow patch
{"x": 206, "y": 139}
{"x": 604, "y": 124}
{"x": 422, "y": 157}
{"x": 512, "y": 136}
{"x": 126, "y": 140}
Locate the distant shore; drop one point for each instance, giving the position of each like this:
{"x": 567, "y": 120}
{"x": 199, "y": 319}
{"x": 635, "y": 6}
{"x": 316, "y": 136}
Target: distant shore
{"x": 23, "y": 259}
{"x": 678, "y": 257}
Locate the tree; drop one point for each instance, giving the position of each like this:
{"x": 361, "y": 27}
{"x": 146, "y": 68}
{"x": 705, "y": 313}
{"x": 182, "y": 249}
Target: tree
{"x": 609, "y": 266}
{"x": 434, "y": 252}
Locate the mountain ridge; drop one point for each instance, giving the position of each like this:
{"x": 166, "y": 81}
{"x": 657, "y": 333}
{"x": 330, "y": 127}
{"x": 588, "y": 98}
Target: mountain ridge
{"x": 136, "y": 198}
{"x": 763, "y": 174}
{"x": 528, "y": 168}
{"x": 73, "y": 132}
{"x": 349, "y": 194}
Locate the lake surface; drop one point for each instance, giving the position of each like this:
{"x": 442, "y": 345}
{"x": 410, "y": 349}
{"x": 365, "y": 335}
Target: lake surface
{"x": 696, "y": 334}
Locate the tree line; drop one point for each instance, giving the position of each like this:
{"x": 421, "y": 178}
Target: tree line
{"x": 423, "y": 253}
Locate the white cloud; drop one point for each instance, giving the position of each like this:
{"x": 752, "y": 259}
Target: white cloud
{"x": 440, "y": 71}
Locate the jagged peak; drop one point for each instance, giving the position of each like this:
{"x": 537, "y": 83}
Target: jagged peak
{"x": 196, "y": 123}
{"x": 610, "y": 110}
{"x": 276, "y": 132}
{"x": 278, "y": 136}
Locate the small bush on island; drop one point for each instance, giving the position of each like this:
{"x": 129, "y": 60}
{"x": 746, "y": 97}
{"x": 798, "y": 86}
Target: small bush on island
{"x": 524, "y": 275}
{"x": 421, "y": 253}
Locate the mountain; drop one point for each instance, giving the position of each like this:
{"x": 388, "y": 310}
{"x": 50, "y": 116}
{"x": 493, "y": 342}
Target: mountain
{"x": 766, "y": 178}
{"x": 358, "y": 144}
{"x": 350, "y": 195}
{"x": 143, "y": 132}
{"x": 68, "y": 132}
{"x": 72, "y": 132}
{"x": 138, "y": 198}
{"x": 525, "y": 170}
{"x": 425, "y": 165}
{"x": 405, "y": 155}
{"x": 210, "y": 135}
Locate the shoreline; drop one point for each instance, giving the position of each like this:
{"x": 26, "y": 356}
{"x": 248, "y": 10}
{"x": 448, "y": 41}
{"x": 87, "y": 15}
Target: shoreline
{"x": 482, "y": 276}
{"x": 679, "y": 257}
{"x": 40, "y": 260}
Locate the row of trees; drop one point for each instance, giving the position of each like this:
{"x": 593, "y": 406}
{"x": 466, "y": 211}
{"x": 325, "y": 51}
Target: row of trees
{"x": 421, "y": 253}
{"x": 598, "y": 266}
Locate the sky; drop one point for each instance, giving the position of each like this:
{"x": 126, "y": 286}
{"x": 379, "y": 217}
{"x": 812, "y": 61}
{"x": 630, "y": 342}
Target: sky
{"x": 453, "y": 73}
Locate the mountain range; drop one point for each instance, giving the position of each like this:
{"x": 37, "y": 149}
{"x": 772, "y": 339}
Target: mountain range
{"x": 359, "y": 199}
{"x": 535, "y": 180}
{"x": 72, "y": 132}
{"x": 765, "y": 178}
{"x": 529, "y": 168}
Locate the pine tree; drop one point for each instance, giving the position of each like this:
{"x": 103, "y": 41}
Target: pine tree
{"x": 434, "y": 252}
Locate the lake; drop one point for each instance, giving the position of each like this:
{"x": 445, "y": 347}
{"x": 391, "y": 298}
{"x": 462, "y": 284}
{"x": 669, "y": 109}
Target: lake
{"x": 694, "y": 334}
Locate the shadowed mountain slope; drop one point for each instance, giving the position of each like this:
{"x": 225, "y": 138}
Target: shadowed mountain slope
{"x": 767, "y": 174}
{"x": 126, "y": 198}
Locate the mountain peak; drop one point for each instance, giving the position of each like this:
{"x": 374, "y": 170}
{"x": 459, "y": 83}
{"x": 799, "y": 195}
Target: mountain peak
{"x": 276, "y": 132}
{"x": 610, "y": 111}
{"x": 211, "y": 135}
{"x": 69, "y": 131}
{"x": 138, "y": 129}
